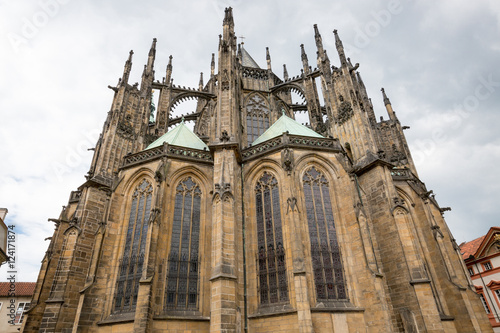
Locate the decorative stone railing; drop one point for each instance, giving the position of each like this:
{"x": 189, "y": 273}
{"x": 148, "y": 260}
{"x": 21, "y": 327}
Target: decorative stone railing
{"x": 169, "y": 151}
{"x": 292, "y": 141}
{"x": 407, "y": 175}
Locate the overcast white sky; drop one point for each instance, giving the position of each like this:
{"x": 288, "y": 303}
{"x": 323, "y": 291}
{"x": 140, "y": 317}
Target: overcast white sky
{"x": 437, "y": 60}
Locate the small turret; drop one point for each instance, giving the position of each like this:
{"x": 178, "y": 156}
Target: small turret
{"x": 340, "y": 49}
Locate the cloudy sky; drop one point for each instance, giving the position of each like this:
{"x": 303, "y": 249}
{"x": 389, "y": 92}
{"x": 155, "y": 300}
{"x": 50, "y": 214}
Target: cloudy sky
{"x": 438, "y": 61}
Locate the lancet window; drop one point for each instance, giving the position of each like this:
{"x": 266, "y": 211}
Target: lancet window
{"x": 325, "y": 251}
{"x": 130, "y": 266}
{"x": 182, "y": 276}
{"x": 271, "y": 252}
{"x": 257, "y": 117}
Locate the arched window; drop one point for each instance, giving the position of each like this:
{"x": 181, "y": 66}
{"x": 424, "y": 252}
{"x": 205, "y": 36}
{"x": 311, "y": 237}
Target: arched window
{"x": 130, "y": 269}
{"x": 257, "y": 117}
{"x": 182, "y": 276}
{"x": 325, "y": 252}
{"x": 271, "y": 257}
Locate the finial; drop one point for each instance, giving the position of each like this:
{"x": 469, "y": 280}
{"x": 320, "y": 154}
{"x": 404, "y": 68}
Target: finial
{"x": 200, "y": 85}
{"x": 268, "y": 58}
{"x": 168, "y": 75}
{"x": 228, "y": 16}
{"x": 282, "y": 111}
{"x": 182, "y": 120}
{"x": 303, "y": 52}
{"x": 242, "y": 40}
{"x": 153, "y": 47}
{"x": 340, "y": 48}
{"x": 285, "y": 73}
{"x": 386, "y": 99}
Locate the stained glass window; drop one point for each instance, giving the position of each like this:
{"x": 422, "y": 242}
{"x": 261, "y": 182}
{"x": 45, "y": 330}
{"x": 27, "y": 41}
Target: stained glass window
{"x": 130, "y": 268}
{"x": 257, "y": 117}
{"x": 182, "y": 276}
{"x": 325, "y": 252}
{"x": 271, "y": 257}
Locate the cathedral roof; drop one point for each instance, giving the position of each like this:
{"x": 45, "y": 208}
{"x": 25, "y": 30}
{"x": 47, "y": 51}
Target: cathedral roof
{"x": 286, "y": 124}
{"x": 180, "y": 136}
{"x": 247, "y": 60}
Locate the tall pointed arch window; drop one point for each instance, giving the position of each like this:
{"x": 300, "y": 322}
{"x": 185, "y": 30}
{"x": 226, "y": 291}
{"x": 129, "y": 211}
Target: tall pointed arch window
{"x": 325, "y": 251}
{"x": 257, "y": 117}
{"x": 271, "y": 256}
{"x": 130, "y": 267}
{"x": 182, "y": 276}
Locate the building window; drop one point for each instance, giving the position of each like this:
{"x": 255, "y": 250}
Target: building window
{"x": 471, "y": 271}
{"x": 182, "y": 276}
{"x": 485, "y": 304}
{"x": 487, "y": 266}
{"x": 130, "y": 267}
{"x": 271, "y": 257}
{"x": 21, "y": 307}
{"x": 257, "y": 117}
{"x": 325, "y": 251}
{"x": 497, "y": 293}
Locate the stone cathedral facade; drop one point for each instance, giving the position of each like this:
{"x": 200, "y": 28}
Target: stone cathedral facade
{"x": 252, "y": 222}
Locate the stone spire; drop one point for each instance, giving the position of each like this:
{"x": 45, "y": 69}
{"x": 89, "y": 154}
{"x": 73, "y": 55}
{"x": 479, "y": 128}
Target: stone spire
{"x": 200, "y": 84}
{"x": 151, "y": 56}
{"x": 285, "y": 73}
{"x": 319, "y": 41}
{"x": 305, "y": 63}
{"x": 212, "y": 66}
{"x": 268, "y": 58}
{"x": 168, "y": 75}
{"x": 128, "y": 67}
{"x": 340, "y": 49}
{"x": 388, "y": 105}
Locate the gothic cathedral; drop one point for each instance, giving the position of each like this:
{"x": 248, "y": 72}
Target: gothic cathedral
{"x": 252, "y": 222}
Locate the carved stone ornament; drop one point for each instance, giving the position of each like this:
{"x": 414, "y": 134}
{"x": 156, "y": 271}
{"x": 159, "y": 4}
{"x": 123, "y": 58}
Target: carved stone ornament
{"x": 292, "y": 204}
{"x": 125, "y": 129}
{"x": 287, "y": 160}
{"x": 224, "y": 137}
{"x": 345, "y": 112}
{"x": 222, "y": 191}
{"x": 225, "y": 80}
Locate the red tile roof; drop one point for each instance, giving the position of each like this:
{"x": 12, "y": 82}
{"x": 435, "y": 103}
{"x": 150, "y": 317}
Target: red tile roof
{"x": 21, "y": 288}
{"x": 470, "y": 248}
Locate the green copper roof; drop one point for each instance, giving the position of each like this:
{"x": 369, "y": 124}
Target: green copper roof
{"x": 285, "y": 124}
{"x": 180, "y": 136}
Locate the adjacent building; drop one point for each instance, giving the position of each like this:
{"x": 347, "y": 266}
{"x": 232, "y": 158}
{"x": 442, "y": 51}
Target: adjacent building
{"x": 253, "y": 222}
{"x": 15, "y": 298}
{"x": 482, "y": 258}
